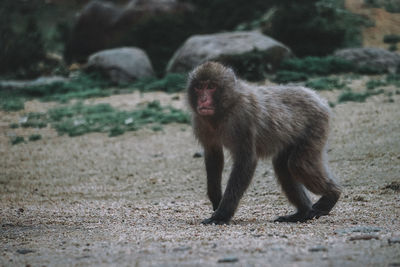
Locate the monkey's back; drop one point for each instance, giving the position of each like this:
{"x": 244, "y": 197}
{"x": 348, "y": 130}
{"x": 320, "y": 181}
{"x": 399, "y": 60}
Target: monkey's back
{"x": 286, "y": 115}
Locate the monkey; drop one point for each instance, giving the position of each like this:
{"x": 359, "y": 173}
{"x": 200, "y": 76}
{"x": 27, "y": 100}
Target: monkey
{"x": 289, "y": 124}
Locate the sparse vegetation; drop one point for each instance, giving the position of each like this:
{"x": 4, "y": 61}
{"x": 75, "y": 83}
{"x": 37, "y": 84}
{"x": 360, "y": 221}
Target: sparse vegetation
{"x": 393, "y": 79}
{"x": 11, "y": 104}
{"x": 300, "y": 69}
{"x": 80, "y": 87}
{"x": 390, "y": 79}
{"x": 372, "y": 84}
{"x": 392, "y": 6}
{"x": 325, "y": 83}
{"x": 86, "y": 86}
{"x": 318, "y": 65}
{"x": 79, "y": 119}
{"x": 170, "y": 83}
{"x": 35, "y": 137}
{"x": 285, "y": 76}
{"x": 317, "y": 28}
{"x": 349, "y": 95}
{"x": 15, "y": 140}
{"x": 392, "y": 40}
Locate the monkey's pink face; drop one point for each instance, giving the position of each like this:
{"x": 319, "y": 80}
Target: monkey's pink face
{"x": 205, "y": 102}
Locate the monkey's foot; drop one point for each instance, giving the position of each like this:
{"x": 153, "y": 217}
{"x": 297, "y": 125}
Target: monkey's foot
{"x": 325, "y": 204}
{"x": 302, "y": 216}
{"x": 295, "y": 217}
{"x": 215, "y": 221}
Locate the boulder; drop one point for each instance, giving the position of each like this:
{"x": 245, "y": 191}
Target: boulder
{"x": 377, "y": 59}
{"x": 101, "y": 25}
{"x": 200, "y": 48}
{"x": 121, "y": 65}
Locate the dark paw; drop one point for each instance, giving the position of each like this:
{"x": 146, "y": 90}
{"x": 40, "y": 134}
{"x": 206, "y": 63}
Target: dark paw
{"x": 215, "y": 221}
{"x": 325, "y": 204}
{"x": 302, "y": 216}
{"x": 316, "y": 213}
{"x": 296, "y": 217}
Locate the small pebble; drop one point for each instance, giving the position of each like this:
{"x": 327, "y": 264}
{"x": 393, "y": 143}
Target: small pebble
{"x": 24, "y": 251}
{"x": 317, "y": 249}
{"x": 197, "y": 155}
{"x": 228, "y": 260}
{"x": 394, "y": 240}
{"x": 363, "y": 237}
{"x": 180, "y": 249}
{"x": 358, "y": 229}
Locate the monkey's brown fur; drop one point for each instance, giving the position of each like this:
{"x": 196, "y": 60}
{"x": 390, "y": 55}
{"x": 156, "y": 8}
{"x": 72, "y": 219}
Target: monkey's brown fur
{"x": 289, "y": 124}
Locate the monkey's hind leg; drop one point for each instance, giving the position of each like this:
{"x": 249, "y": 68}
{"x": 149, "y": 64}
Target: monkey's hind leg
{"x": 307, "y": 166}
{"x": 293, "y": 190}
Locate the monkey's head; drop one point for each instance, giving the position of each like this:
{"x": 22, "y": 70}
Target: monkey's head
{"x": 210, "y": 89}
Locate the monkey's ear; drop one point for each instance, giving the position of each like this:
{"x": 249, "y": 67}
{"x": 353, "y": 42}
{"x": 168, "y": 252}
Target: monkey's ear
{"x": 233, "y": 74}
{"x": 232, "y": 80}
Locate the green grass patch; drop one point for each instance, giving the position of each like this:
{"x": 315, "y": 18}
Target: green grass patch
{"x": 157, "y": 128}
{"x": 317, "y": 65}
{"x": 11, "y": 104}
{"x": 347, "y": 96}
{"x": 33, "y": 120}
{"x": 301, "y": 69}
{"x": 86, "y": 86}
{"x": 35, "y": 137}
{"x": 79, "y": 119}
{"x": 325, "y": 83}
{"x": 82, "y": 86}
{"x": 17, "y": 140}
{"x": 170, "y": 83}
{"x": 286, "y": 76}
{"x": 372, "y": 84}
{"x": 393, "y": 79}
{"x": 390, "y": 79}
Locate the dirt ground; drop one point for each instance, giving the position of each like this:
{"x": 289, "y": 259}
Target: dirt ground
{"x": 138, "y": 199}
{"x": 383, "y": 23}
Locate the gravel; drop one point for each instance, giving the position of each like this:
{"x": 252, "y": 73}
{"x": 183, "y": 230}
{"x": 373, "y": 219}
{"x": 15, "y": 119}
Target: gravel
{"x": 95, "y": 200}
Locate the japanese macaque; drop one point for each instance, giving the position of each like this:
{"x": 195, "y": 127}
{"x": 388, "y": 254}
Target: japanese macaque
{"x": 288, "y": 123}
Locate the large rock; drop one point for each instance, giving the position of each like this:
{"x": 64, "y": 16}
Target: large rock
{"x": 200, "y": 48}
{"x": 101, "y": 25}
{"x": 372, "y": 58}
{"x": 122, "y": 64}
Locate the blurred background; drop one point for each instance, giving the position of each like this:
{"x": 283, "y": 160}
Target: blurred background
{"x": 55, "y": 37}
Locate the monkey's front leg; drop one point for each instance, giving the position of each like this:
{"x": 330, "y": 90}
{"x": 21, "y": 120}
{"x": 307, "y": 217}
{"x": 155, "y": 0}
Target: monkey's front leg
{"x": 242, "y": 172}
{"x": 214, "y": 160}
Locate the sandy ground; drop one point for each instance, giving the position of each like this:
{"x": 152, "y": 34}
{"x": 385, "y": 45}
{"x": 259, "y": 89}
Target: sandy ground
{"x": 138, "y": 199}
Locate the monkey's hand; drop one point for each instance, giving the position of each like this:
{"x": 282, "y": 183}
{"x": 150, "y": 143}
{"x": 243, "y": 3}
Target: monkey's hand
{"x": 215, "y": 221}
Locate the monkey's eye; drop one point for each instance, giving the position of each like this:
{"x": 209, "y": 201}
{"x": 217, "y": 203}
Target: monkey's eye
{"x": 212, "y": 86}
